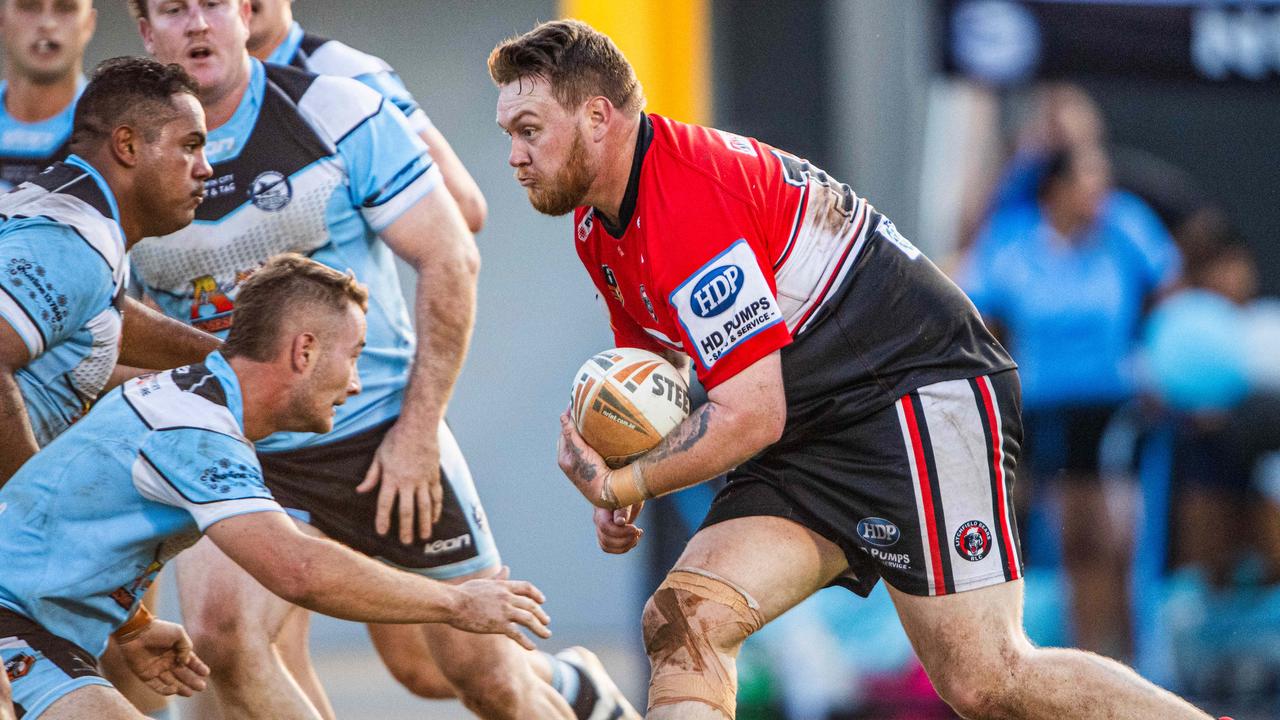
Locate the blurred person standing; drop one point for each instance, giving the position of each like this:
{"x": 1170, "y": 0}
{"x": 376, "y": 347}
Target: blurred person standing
{"x": 1066, "y": 282}
{"x": 44, "y": 44}
{"x": 275, "y": 37}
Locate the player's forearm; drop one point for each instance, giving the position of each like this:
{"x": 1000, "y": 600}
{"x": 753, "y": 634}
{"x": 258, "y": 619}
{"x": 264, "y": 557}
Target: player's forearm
{"x": 336, "y": 581}
{"x": 153, "y": 341}
{"x": 713, "y": 440}
{"x": 18, "y": 442}
{"x": 444, "y": 306}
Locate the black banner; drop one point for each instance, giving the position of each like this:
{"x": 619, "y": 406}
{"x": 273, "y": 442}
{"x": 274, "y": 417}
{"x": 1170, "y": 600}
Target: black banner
{"x": 1211, "y": 41}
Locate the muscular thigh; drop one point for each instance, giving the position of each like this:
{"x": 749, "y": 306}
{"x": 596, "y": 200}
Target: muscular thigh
{"x": 217, "y": 594}
{"x": 774, "y": 561}
{"x": 95, "y": 701}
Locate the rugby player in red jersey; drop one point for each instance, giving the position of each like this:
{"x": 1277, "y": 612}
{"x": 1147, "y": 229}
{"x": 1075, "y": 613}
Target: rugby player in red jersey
{"x": 868, "y": 422}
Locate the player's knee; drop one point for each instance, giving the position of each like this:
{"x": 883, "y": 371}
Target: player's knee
{"x": 693, "y": 626}
{"x": 983, "y": 684}
{"x": 223, "y": 637}
{"x": 425, "y": 681}
{"x": 493, "y": 696}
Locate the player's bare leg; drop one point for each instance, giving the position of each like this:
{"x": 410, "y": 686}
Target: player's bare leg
{"x": 733, "y": 577}
{"x": 492, "y": 676}
{"x": 6, "y": 698}
{"x": 980, "y": 661}
{"x": 233, "y": 621}
{"x": 93, "y": 701}
{"x": 293, "y": 645}
{"x": 407, "y": 655}
{"x": 146, "y": 700}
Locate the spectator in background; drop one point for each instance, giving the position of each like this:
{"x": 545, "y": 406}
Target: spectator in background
{"x": 1200, "y": 347}
{"x": 1065, "y": 281}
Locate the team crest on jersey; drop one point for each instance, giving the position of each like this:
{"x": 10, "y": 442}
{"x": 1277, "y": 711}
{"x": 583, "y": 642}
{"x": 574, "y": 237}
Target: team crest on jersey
{"x": 271, "y": 191}
{"x": 584, "y": 227}
{"x": 725, "y": 302}
{"x": 612, "y": 281}
{"x": 648, "y": 304}
{"x": 973, "y": 540}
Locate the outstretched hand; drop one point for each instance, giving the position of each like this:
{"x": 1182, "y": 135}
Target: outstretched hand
{"x": 162, "y": 657}
{"x": 502, "y": 607}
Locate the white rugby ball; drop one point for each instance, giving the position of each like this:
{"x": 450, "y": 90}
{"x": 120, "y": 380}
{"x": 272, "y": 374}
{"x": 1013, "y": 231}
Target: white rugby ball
{"x": 625, "y": 400}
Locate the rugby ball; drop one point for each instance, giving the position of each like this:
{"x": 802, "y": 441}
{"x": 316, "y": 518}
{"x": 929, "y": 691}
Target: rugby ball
{"x": 625, "y": 400}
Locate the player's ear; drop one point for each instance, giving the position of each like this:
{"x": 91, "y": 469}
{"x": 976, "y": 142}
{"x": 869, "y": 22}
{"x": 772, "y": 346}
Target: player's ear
{"x": 126, "y": 145}
{"x": 303, "y": 352}
{"x": 599, "y": 113}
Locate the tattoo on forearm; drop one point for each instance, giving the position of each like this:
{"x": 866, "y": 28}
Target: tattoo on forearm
{"x": 583, "y": 471}
{"x": 684, "y": 437}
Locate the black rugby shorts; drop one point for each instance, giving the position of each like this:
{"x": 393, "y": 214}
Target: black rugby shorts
{"x": 917, "y": 493}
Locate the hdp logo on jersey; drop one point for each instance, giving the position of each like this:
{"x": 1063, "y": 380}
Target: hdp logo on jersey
{"x": 973, "y": 540}
{"x": 716, "y": 291}
{"x": 271, "y": 191}
{"x": 879, "y": 532}
{"x": 612, "y": 281}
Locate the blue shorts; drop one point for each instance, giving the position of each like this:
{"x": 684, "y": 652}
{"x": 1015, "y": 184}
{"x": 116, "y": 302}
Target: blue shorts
{"x": 41, "y": 666}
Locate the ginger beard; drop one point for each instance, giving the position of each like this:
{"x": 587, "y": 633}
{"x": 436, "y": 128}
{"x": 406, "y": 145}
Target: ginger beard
{"x": 568, "y": 187}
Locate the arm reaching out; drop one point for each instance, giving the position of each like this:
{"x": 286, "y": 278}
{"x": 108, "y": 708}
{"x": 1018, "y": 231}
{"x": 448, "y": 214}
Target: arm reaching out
{"x": 326, "y": 577}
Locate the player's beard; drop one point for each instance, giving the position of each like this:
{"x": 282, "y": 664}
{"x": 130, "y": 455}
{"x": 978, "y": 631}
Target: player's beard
{"x": 569, "y": 186}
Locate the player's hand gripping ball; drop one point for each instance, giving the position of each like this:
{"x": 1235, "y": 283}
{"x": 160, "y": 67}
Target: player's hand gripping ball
{"x": 625, "y": 400}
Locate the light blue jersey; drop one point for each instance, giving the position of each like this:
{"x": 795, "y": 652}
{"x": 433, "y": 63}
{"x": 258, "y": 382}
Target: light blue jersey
{"x": 312, "y": 164}
{"x": 87, "y": 523}
{"x": 28, "y": 148}
{"x": 62, "y": 269}
{"x": 323, "y": 56}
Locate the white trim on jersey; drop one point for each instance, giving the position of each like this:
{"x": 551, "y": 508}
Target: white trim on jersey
{"x": 338, "y": 105}
{"x": 380, "y": 217}
{"x": 819, "y": 260}
{"x": 662, "y": 338}
{"x": 101, "y": 233}
{"x": 335, "y": 57}
{"x": 21, "y": 324}
{"x": 153, "y": 486}
{"x": 162, "y": 405}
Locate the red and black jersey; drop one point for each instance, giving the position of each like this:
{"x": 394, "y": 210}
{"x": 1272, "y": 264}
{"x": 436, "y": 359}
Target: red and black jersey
{"x": 728, "y": 249}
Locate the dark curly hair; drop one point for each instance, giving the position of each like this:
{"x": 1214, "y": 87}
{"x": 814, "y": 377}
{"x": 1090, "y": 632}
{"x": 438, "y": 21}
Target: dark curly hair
{"x": 129, "y": 91}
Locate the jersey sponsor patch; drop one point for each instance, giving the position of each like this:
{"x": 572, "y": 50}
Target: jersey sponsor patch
{"x": 889, "y": 232}
{"x": 725, "y": 302}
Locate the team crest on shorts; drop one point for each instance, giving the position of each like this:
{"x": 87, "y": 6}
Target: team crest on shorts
{"x": 19, "y": 665}
{"x": 973, "y": 540}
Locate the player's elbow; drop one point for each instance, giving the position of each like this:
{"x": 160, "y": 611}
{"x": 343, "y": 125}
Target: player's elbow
{"x": 294, "y": 580}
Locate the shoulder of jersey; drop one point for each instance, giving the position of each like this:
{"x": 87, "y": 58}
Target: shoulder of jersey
{"x": 727, "y": 160}
{"x": 334, "y": 105}
{"x": 68, "y": 196}
{"x": 186, "y": 397}
{"x": 331, "y": 57}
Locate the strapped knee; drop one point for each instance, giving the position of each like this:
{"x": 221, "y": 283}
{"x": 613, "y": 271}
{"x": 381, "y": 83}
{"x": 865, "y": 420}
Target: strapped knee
{"x": 693, "y": 626}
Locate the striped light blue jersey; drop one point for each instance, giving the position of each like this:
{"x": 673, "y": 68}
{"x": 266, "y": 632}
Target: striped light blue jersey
{"x": 28, "y": 148}
{"x": 62, "y": 269}
{"x": 312, "y": 164}
{"x": 324, "y": 56}
{"x": 87, "y": 523}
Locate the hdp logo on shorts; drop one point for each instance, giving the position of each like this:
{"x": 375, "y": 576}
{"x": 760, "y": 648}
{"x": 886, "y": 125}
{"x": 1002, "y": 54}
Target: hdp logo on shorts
{"x": 879, "y": 532}
{"x": 973, "y": 540}
{"x": 271, "y": 191}
{"x": 716, "y": 291}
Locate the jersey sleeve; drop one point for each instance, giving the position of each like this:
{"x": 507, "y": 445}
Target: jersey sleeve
{"x": 390, "y": 86}
{"x": 210, "y": 475}
{"x": 716, "y": 290}
{"x": 388, "y": 166}
{"x": 51, "y": 284}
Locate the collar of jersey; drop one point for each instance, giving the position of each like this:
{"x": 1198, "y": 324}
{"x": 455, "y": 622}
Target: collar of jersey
{"x": 59, "y": 125}
{"x": 284, "y": 52}
{"x": 77, "y": 161}
{"x": 227, "y": 140}
{"x": 629, "y": 197}
{"x": 221, "y": 369}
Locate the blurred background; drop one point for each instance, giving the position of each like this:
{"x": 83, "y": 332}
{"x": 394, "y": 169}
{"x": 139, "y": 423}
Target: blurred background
{"x": 1099, "y": 176}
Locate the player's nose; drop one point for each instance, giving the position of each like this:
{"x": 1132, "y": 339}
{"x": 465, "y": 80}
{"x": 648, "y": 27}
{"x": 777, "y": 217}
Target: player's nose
{"x": 202, "y": 170}
{"x": 518, "y": 156}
